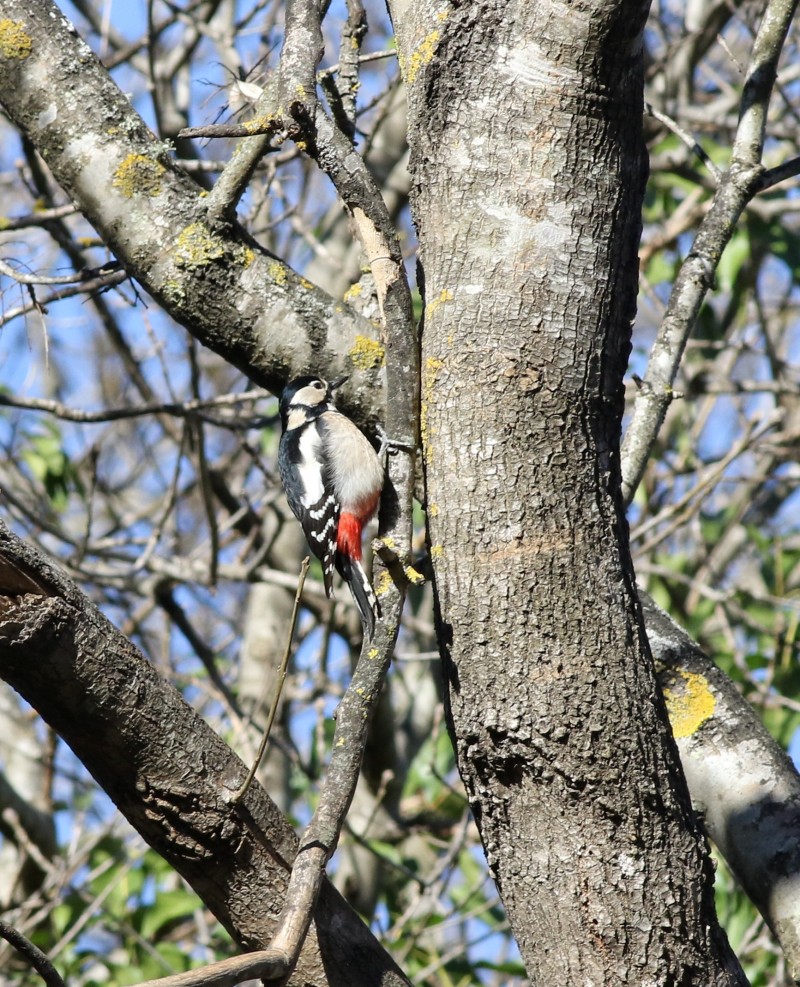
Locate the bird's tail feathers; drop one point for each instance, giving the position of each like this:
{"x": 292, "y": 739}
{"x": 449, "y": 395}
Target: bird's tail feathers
{"x": 356, "y": 578}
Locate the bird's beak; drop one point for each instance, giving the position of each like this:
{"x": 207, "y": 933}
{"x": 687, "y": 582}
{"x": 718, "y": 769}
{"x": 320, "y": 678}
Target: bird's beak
{"x": 338, "y": 382}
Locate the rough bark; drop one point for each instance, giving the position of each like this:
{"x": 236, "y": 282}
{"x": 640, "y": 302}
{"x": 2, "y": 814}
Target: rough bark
{"x": 529, "y": 172}
{"x": 165, "y": 769}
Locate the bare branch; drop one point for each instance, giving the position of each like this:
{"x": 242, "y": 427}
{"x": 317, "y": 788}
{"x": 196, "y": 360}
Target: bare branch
{"x": 186, "y": 409}
{"x": 79, "y": 277}
{"x": 33, "y": 954}
{"x": 686, "y": 137}
{"x": 755, "y": 821}
{"x": 737, "y": 188}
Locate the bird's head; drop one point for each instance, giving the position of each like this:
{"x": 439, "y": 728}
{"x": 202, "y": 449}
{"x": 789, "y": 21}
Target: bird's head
{"x": 308, "y": 395}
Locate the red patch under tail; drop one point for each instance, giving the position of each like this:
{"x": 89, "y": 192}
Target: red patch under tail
{"x": 348, "y": 536}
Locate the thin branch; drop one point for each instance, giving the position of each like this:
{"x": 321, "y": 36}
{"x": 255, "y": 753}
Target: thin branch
{"x": 186, "y": 409}
{"x": 33, "y": 954}
{"x": 688, "y": 139}
{"x": 39, "y": 218}
{"x": 78, "y": 278}
{"x": 84, "y": 288}
{"x": 773, "y": 176}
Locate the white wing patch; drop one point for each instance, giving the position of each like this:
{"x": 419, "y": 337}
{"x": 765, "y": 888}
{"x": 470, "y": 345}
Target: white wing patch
{"x": 308, "y": 468}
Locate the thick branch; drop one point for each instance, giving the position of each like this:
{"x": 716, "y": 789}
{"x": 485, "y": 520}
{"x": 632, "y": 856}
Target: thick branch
{"x": 745, "y": 786}
{"x": 247, "y": 306}
{"x": 102, "y": 696}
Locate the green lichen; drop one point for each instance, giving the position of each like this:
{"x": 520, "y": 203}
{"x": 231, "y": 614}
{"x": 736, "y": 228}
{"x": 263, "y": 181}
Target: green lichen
{"x": 138, "y": 174}
{"x": 15, "y": 42}
{"x": 174, "y": 292}
{"x": 197, "y": 246}
{"x": 367, "y": 354}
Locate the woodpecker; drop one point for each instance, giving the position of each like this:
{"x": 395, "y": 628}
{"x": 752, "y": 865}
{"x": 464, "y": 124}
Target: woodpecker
{"x": 333, "y": 480}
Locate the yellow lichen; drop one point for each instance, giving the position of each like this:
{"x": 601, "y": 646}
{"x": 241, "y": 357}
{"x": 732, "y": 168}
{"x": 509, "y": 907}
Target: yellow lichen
{"x": 383, "y": 583}
{"x": 414, "y": 577}
{"x": 433, "y": 510}
{"x": 278, "y": 272}
{"x": 259, "y": 124}
{"x": 15, "y": 42}
{"x": 197, "y": 246}
{"x": 445, "y": 295}
{"x": 422, "y": 55}
{"x": 690, "y": 702}
{"x": 429, "y": 374}
{"x": 353, "y": 292}
{"x": 437, "y": 551}
{"x": 373, "y": 653}
{"x": 138, "y": 174}
{"x": 367, "y": 354}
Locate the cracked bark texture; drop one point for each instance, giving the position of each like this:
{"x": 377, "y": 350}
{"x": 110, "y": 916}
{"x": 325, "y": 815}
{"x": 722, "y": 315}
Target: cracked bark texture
{"x": 528, "y": 173}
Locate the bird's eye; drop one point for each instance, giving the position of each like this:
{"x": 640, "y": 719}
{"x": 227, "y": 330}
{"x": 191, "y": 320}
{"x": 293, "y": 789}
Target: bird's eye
{"x": 319, "y": 385}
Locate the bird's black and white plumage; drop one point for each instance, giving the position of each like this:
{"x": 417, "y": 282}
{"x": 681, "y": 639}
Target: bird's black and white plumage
{"x": 333, "y": 480}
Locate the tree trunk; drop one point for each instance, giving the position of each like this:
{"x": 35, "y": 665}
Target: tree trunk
{"x": 529, "y": 169}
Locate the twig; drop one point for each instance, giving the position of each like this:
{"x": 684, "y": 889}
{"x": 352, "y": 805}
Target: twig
{"x": 84, "y": 288}
{"x": 185, "y": 409}
{"x": 687, "y": 138}
{"x": 773, "y": 176}
{"x": 79, "y": 278}
{"x": 737, "y": 187}
{"x": 33, "y": 954}
{"x": 273, "y": 709}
